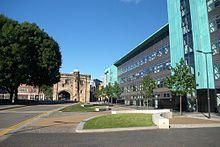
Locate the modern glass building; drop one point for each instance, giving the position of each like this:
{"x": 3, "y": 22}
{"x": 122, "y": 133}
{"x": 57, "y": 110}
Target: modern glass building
{"x": 192, "y": 33}
{"x": 213, "y": 8}
{"x": 190, "y": 29}
{"x": 150, "y": 57}
{"x": 111, "y": 75}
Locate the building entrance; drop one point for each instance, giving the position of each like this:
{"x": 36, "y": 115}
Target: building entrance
{"x": 64, "y": 95}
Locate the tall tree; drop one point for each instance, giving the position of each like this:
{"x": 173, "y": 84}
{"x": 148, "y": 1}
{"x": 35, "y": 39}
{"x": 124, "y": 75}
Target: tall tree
{"x": 13, "y": 64}
{"x": 116, "y": 91}
{"x": 100, "y": 93}
{"x": 47, "y": 90}
{"x": 43, "y": 56}
{"x": 109, "y": 92}
{"x": 181, "y": 82}
{"x": 149, "y": 84}
{"x": 28, "y": 55}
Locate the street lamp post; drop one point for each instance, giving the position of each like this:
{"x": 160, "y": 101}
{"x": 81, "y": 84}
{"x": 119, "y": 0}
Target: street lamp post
{"x": 207, "y": 79}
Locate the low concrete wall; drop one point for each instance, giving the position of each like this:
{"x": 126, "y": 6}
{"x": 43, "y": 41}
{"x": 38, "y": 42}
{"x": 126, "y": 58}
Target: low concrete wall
{"x": 106, "y": 108}
{"x": 143, "y": 111}
{"x": 159, "y": 117}
{"x": 161, "y": 122}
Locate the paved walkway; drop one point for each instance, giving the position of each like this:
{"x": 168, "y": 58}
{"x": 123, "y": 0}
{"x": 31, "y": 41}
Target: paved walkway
{"x": 63, "y": 122}
{"x": 194, "y": 118}
{"x": 66, "y": 122}
{"x": 5, "y": 107}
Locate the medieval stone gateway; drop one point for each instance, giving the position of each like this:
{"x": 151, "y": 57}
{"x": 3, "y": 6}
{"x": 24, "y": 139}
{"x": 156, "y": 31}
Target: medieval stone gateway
{"x": 72, "y": 87}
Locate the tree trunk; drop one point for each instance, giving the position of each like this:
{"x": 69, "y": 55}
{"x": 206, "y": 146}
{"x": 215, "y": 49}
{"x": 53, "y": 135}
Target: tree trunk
{"x": 147, "y": 103}
{"x": 11, "y": 97}
{"x": 180, "y": 104}
{"x": 16, "y": 95}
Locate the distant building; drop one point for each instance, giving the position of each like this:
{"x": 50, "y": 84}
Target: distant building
{"x": 110, "y": 75}
{"x": 27, "y": 92}
{"x": 94, "y": 85}
{"x": 3, "y": 94}
{"x": 192, "y": 33}
{"x": 72, "y": 87}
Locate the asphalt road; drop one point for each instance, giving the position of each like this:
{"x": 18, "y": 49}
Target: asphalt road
{"x": 203, "y": 137}
{"x": 11, "y": 117}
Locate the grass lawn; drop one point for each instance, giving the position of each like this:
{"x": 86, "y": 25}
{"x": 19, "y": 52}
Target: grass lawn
{"x": 78, "y": 108}
{"x": 119, "y": 121}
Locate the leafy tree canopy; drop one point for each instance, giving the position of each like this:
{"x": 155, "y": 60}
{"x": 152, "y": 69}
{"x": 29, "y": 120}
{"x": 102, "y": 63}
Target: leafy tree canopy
{"x": 28, "y": 55}
{"x": 181, "y": 82}
{"x": 149, "y": 84}
{"x": 47, "y": 90}
{"x": 117, "y": 91}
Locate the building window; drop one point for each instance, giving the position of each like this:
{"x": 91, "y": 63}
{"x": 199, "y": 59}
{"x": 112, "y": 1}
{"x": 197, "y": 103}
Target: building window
{"x": 217, "y": 71}
{"x": 143, "y": 60}
{"x": 23, "y": 90}
{"x": 214, "y": 24}
{"x": 166, "y": 95}
{"x": 215, "y": 45}
{"x": 212, "y": 4}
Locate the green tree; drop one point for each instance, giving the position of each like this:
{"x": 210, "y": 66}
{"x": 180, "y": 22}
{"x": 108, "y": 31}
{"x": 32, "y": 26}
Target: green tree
{"x": 100, "y": 93}
{"x": 181, "y": 82}
{"x": 149, "y": 84}
{"x": 47, "y": 90}
{"x": 116, "y": 91}
{"x": 43, "y": 56}
{"x": 97, "y": 93}
{"x": 12, "y": 56}
{"x": 28, "y": 55}
{"x": 109, "y": 92}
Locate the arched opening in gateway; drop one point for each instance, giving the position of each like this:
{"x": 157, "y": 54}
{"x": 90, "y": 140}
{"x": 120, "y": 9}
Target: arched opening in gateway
{"x": 64, "y": 96}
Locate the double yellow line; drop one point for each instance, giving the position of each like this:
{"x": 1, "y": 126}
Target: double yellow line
{"x": 14, "y": 127}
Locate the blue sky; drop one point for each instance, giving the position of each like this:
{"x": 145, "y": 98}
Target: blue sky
{"x": 92, "y": 34}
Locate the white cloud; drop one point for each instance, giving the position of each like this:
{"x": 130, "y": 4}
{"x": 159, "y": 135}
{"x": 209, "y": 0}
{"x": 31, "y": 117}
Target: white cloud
{"x": 131, "y": 1}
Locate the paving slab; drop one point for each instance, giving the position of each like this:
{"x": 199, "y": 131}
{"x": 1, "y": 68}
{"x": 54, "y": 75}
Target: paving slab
{"x": 5, "y": 107}
{"x": 190, "y": 120}
{"x": 59, "y": 122}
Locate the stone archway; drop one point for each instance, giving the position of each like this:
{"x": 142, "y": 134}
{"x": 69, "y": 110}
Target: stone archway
{"x": 64, "y": 96}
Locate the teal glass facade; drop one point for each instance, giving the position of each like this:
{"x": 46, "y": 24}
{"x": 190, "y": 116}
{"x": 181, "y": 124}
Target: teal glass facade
{"x": 201, "y": 37}
{"x": 199, "y": 29}
{"x": 113, "y": 74}
{"x": 192, "y": 33}
{"x": 175, "y": 32}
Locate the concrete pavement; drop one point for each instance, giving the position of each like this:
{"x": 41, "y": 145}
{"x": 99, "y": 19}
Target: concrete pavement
{"x": 58, "y": 129}
{"x": 14, "y": 119}
{"x": 203, "y": 137}
{"x": 5, "y": 107}
{"x": 67, "y": 122}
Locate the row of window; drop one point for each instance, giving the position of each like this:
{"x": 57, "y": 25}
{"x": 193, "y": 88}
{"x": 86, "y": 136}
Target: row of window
{"x": 164, "y": 95}
{"x": 212, "y": 4}
{"x": 153, "y": 69}
{"x": 132, "y": 88}
{"x": 27, "y": 90}
{"x": 139, "y": 87}
{"x": 214, "y": 24}
{"x": 184, "y": 7}
{"x": 150, "y": 57}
